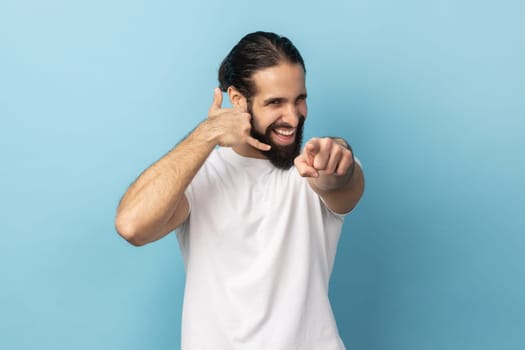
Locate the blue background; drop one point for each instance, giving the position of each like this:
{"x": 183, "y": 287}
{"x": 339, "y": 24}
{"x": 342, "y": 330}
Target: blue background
{"x": 431, "y": 94}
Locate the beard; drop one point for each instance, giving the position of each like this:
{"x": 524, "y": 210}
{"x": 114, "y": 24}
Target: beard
{"x": 281, "y": 157}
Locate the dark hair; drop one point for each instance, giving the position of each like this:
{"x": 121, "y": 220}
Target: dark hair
{"x": 254, "y": 52}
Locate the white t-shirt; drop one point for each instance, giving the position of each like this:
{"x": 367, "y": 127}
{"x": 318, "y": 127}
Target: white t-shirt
{"x": 258, "y": 247}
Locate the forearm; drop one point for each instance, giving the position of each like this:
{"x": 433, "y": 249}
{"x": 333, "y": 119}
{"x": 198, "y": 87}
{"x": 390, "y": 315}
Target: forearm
{"x": 155, "y": 204}
{"x": 153, "y": 198}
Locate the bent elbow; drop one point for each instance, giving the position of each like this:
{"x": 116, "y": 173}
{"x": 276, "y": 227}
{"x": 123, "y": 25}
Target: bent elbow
{"x": 127, "y": 230}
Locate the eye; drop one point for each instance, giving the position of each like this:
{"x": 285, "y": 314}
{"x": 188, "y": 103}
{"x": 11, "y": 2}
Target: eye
{"x": 300, "y": 99}
{"x": 274, "y": 102}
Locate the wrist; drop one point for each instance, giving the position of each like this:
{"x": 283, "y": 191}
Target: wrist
{"x": 208, "y": 132}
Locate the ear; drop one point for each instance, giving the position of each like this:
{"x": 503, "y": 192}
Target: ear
{"x": 237, "y": 99}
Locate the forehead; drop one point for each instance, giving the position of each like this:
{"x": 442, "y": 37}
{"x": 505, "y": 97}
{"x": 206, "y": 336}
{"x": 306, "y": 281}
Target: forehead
{"x": 283, "y": 80}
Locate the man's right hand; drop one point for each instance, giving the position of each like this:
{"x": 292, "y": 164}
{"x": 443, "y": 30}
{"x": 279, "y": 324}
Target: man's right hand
{"x": 231, "y": 126}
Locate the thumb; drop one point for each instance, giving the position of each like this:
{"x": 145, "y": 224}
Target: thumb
{"x": 217, "y": 100}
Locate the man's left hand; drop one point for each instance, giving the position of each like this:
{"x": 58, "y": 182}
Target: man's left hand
{"x": 324, "y": 156}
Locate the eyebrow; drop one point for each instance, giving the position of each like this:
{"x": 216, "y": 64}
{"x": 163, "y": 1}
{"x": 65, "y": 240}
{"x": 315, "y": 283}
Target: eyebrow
{"x": 281, "y": 99}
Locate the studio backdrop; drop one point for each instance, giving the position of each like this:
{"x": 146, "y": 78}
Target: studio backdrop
{"x": 430, "y": 94}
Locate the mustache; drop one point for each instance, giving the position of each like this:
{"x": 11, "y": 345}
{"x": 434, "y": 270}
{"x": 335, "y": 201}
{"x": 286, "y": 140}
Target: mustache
{"x": 280, "y": 125}
{"x": 276, "y": 125}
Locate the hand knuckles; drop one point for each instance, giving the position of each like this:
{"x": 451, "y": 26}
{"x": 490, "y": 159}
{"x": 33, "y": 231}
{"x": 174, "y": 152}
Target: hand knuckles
{"x": 326, "y": 142}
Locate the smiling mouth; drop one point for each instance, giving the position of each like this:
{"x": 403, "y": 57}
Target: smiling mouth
{"x": 284, "y": 132}
{"x": 284, "y": 136}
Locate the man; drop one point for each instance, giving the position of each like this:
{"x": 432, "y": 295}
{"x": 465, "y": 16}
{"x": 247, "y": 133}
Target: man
{"x": 258, "y": 219}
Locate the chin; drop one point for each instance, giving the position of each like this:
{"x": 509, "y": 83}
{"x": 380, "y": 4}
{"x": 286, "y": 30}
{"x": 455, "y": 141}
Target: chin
{"x": 282, "y": 156}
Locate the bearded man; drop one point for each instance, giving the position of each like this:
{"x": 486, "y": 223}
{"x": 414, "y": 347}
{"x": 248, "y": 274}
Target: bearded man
{"x": 258, "y": 219}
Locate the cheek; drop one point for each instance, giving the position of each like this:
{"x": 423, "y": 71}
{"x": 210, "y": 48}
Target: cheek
{"x": 264, "y": 120}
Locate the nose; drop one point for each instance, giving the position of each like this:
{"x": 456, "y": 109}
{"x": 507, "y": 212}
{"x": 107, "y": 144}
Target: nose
{"x": 292, "y": 114}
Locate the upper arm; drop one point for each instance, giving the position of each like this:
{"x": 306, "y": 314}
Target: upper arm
{"x": 180, "y": 214}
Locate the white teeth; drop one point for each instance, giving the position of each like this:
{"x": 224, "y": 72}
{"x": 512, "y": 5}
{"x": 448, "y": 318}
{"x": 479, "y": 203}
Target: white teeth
{"x": 284, "y": 132}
